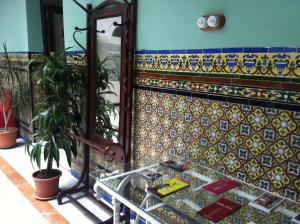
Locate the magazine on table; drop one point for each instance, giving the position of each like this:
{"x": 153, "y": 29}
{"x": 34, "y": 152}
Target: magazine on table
{"x": 151, "y": 174}
{"x": 221, "y": 186}
{"x": 168, "y": 186}
{"x": 174, "y": 165}
{"x": 219, "y": 210}
{"x": 266, "y": 202}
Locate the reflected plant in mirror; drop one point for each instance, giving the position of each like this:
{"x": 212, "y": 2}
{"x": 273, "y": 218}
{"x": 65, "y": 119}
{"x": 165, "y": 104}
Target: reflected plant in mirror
{"x": 108, "y": 60}
{"x": 106, "y": 111}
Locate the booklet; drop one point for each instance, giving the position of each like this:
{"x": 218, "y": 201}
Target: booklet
{"x": 220, "y": 186}
{"x": 150, "y": 174}
{"x": 174, "y": 165}
{"x": 219, "y": 210}
{"x": 168, "y": 187}
{"x": 296, "y": 220}
{"x": 266, "y": 202}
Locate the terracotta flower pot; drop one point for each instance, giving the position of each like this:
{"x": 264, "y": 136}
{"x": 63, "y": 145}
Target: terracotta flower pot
{"x": 46, "y": 189}
{"x": 8, "y": 138}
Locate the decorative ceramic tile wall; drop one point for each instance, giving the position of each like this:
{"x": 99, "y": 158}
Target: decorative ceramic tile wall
{"x": 255, "y": 144}
{"x": 16, "y": 56}
{"x": 274, "y": 95}
{"x": 236, "y": 110}
{"x": 266, "y": 62}
{"x": 76, "y": 57}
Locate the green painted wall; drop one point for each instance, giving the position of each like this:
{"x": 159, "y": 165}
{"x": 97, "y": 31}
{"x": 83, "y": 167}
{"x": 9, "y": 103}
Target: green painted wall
{"x": 35, "y": 37}
{"x": 95, "y": 2}
{"x": 74, "y": 16}
{"x": 167, "y": 24}
{"x": 13, "y": 24}
{"x": 171, "y": 24}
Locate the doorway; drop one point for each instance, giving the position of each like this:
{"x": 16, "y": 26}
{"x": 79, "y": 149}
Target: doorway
{"x": 52, "y": 26}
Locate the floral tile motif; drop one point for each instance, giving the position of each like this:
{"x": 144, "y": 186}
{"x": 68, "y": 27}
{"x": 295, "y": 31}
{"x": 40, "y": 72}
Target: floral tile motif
{"x": 280, "y": 62}
{"x": 16, "y": 56}
{"x": 76, "y": 57}
{"x": 253, "y": 169}
{"x": 272, "y": 95}
{"x": 256, "y": 144}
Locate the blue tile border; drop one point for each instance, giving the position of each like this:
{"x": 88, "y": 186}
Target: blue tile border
{"x": 178, "y": 52}
{"x": 75, "y": 52}
{"x": 164, "y": 52}
{"x": 233, "y": 50}
{"x": 21, "y": 52}
{"x": 256, "y": 50}
{"x": 212, "y": 51}
{"x": 151, "y": 52}
{"x": 75, "y": 174}
{"x": 223, "y": 50}
{"x": 38, "y": 52}
{"x": 140, "y": 52}
{"x": 282, "y": 49}
{"x": 194, "y": 51}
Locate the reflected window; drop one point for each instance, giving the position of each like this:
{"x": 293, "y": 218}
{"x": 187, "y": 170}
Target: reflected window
{"x": 108, "y": 78}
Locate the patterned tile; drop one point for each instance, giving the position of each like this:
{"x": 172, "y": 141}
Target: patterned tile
{"x": 257, "y": 144}
{"x": 17, "y": 56}
{"x": 272, "y": 62}
{"x": 264, "y": 94}
{"x": 75, "y": 57}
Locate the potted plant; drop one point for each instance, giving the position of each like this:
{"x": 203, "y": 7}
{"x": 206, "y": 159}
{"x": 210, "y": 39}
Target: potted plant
{"x": 13, "y": 97}
{"x": 56, "y": 115}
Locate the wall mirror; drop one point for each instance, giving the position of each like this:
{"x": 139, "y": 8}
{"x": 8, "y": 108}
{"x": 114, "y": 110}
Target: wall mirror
{"x": 110, "y": 61}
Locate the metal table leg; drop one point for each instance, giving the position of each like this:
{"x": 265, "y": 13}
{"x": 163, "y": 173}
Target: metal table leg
{"x": 117, "y": 207}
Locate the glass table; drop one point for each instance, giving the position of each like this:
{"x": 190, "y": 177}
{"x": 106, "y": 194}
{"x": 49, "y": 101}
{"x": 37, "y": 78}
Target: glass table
{"x": 128, "y": 186}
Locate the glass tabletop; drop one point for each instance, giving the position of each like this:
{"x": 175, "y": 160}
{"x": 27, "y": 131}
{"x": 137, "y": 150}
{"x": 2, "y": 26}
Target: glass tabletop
{"x": 132, "y": 182}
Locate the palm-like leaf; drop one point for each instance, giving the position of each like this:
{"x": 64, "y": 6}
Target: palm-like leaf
{"x": 58, "y": 112}
{"x": 12, "y": 84}
{"x": 107, "y": 70}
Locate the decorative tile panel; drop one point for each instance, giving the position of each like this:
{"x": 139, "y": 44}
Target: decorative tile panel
{"x": 76, "y": 57}
{"x": 270, "y": 62}
{"x": 259, "y": 145}
{"x": 278, "y": 95}
{"x": 16, "y": 56}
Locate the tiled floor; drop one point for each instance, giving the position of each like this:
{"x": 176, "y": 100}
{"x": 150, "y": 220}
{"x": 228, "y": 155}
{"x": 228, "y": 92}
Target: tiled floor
{"x": 17, "y": 204}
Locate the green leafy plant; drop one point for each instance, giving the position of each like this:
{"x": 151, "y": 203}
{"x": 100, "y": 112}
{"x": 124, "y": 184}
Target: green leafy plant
{"x": 14, "y": 92}
{"x": 57, "y": 113}
{"x": 107, "y": 71}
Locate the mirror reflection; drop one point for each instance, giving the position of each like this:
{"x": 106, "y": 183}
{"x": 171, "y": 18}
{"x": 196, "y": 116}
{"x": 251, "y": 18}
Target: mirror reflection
{"x": 108, "y": 77}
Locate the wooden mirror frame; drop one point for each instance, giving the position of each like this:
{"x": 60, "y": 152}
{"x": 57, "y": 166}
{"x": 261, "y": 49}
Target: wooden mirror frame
{"x": 107, "y": 9}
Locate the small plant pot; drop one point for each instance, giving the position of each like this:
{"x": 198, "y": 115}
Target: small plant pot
{"x": 8, "y": 138}
{"x": 46, "y": 188}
